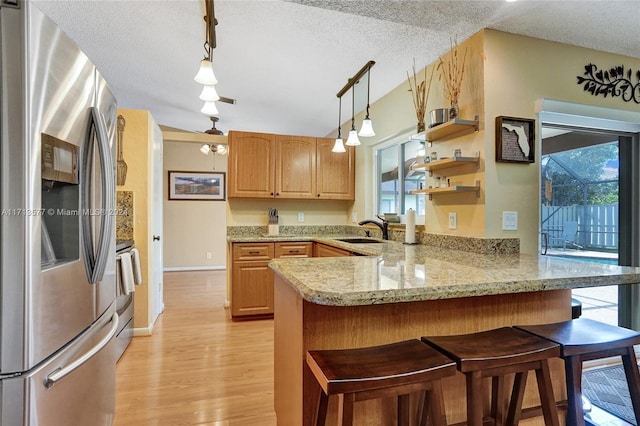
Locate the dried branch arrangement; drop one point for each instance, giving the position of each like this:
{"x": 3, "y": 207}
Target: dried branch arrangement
{"x": 452, "y": 73}
{"x": 419, "y": 91}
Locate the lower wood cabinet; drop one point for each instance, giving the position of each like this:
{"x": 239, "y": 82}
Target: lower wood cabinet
{"x": 252, "y": 279}
{"x": 325, "y": 250}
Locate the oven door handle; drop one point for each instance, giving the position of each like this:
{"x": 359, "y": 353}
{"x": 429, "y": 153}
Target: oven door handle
{"x": 61, "y": 373}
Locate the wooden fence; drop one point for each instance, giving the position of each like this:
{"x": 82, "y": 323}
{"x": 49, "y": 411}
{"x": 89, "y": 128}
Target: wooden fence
{"x": 597, "y": 225}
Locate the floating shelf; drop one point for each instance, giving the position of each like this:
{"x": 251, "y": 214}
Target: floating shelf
{"x": 446, "y": 163}
{"x": 448, "y": 190}
{"x": 450, "y": 129}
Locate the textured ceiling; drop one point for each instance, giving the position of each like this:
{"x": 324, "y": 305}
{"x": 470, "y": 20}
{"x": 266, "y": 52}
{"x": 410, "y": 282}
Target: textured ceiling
{"x": 284, "y": 61}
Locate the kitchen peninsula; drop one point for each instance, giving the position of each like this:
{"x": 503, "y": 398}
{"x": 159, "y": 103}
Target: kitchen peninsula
{"x": 400, "y": 292}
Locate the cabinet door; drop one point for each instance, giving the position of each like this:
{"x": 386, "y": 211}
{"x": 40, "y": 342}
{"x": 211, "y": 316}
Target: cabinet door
{"x": 291, "y": 249}
{"x": 335, "y": 171}
{"x": 251, "y": 165}
{"x": 295, "y": 167}
{"x": 252, "y": 289}
{"x": 324, "y": 250}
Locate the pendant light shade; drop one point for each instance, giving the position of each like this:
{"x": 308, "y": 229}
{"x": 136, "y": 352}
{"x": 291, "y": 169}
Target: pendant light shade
{"x": 353, "y": 140}
{"x": 338, "y": 146}
{"x": 209, "y": 109}
{"x": 205, "y": 73}
{"x": 209, "y": 94}
{"x": 366, "y": 130}
{"x": 205, "y": 149}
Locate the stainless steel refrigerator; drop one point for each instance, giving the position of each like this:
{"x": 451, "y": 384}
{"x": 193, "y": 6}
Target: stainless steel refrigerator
{"x": 57, "y": 252}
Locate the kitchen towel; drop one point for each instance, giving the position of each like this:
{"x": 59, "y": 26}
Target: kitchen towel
{"x": 410, "y": 227}
{"x": 126, "y": 272}
{"x": 137, "y": 272}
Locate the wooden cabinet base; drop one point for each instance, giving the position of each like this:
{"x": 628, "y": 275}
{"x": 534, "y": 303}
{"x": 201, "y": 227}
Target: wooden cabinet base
{"x": 300, "y": 325}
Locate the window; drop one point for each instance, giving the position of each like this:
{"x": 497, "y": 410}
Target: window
{"x": 395, "y": 179}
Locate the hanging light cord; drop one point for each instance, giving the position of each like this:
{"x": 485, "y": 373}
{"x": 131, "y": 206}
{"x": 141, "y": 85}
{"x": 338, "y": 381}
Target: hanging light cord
{"x": 339, "y": 117}
{"x": 353, "y": 107}
{"x": 368, "y": 88}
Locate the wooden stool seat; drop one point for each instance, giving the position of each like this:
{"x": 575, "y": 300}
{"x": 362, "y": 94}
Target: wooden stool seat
{"x": 582, "y": 340}
{"x": 495, "y": 353}
{"x": 374, "y": 372}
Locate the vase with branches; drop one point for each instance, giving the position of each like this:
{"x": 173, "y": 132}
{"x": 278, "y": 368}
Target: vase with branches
{"x": 451, "y": 74}
{"x": 420, "y": 94}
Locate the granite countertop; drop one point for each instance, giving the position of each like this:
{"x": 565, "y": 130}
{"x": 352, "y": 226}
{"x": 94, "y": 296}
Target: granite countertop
{"x": 392, "y": 272}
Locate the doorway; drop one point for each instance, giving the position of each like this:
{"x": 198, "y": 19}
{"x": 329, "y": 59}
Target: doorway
{"x": 580, "y": 211}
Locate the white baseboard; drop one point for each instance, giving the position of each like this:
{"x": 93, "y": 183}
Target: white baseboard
{"x": 195, "y": 268}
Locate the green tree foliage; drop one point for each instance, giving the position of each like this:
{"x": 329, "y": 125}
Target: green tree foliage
{"x": 582, "y": 176}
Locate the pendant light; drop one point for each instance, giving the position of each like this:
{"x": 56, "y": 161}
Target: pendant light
{"x": 209, "y": 109}
{"x": 339, "y": 146}
{"x": 353, "y": 140}
{"x": 209, "y": 94}
{"x": 366, "y": 131}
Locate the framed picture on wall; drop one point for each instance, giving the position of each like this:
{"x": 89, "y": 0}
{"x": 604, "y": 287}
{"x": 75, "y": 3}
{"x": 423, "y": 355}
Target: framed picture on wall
{"x": 515, "y": 140}
{"x": 208, "y": 186}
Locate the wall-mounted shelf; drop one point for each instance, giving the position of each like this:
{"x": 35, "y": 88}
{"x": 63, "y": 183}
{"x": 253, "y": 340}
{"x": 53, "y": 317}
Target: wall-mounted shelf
{"x": 448, "y": 190}
{"x": 446, "y": 163}
{"x": 450, "y": 129}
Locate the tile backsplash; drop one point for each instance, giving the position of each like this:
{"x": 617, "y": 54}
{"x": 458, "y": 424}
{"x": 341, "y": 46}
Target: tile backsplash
{"x": 124, "y": 217}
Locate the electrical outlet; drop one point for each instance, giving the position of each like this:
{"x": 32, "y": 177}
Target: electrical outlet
{"x": 453, "y": 220}
{"x": 354, "y": 217}
{"x": 300, "y": 217}
{"x": 208, "y": 255}
{"x": 509, "y": 221}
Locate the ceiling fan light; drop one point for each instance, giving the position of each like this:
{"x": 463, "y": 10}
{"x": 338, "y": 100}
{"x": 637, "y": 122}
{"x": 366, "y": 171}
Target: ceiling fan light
{"x": 353, "y": 140}
{"x": 209, "y": 109}
{"x": 338, "y": 146}
{"x": 366, "y": 131}
{"x": 205, "y": 73}
{"x": 205, "y": 149}
{"x": 209, "y": 94}
{"x": 221, "y": 149}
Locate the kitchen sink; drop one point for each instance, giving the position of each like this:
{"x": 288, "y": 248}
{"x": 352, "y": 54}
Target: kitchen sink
{"x": 359, "y": 240}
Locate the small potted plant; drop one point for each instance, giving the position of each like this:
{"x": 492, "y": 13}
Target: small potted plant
{"x": 420, "y": 94}
{"x": 451, "y": 74}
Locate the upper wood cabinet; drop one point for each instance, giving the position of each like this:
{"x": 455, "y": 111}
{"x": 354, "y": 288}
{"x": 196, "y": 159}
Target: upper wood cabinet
{"x": 295, "y": 167}
{"x": 289, "y": 167}
{"x": 336, "y": 172}
{"x": 251, "y": 165}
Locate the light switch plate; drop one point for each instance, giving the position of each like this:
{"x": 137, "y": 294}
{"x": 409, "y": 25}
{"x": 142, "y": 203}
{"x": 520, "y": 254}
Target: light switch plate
{"x": 453, "y": 220}
{"x": 509, "y": 221}
{"x": 300, "y": 217}
{"x": 354, "y": 217}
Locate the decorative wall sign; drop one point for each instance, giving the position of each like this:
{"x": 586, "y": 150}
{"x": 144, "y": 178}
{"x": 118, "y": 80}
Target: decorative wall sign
{"x": 515, "y": 140}
{"x": 196, "y": 185}
{"x": 615, "y": 82}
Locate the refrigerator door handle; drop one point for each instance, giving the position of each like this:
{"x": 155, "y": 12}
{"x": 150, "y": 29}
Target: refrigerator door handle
{"x": 97, "y": 261}
{"x": 59, "y": 374}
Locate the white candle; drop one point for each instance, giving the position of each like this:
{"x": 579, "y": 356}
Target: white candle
{"x": 410, "y": 227}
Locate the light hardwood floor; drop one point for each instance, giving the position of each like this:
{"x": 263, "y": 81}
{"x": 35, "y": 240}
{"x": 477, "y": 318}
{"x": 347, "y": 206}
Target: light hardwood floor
{"x": 199, "y": 367}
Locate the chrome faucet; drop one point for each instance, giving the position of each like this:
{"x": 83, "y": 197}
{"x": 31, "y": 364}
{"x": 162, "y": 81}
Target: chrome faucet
{"x": 384, "y": 226}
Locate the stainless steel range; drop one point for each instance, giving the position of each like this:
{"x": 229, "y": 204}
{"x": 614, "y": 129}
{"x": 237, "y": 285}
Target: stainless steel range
{"x": 124, "y": 302}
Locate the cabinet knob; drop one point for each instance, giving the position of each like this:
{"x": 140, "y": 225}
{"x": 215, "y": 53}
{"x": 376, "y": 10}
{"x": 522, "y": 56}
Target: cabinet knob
{"x": 318, "y": 195}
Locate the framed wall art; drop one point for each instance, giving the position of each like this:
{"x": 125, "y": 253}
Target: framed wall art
{"x": 515, "y": 140}
{"x": 208, "y": 186}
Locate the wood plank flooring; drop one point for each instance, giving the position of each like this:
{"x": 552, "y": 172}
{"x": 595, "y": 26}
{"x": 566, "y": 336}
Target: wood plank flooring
{"x": 199, "y": 367}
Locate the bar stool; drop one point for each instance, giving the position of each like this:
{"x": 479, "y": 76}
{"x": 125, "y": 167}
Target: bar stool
{"x": 398, "y": 369}
{"x": 584, "y": 339}
{"x": 494, "y": 354}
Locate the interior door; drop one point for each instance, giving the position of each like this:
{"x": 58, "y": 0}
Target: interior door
{"x": 156, "y": 223}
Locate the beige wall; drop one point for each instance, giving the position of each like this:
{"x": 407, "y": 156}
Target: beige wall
{"x": 520, "y": 71}
{"x": 136, "y": 141}
{"x": 506, "y": 75}
{"x": 193, "y": 229}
